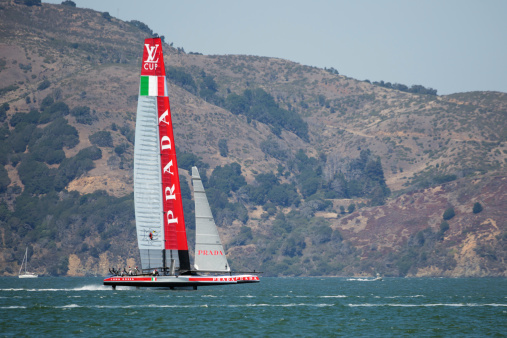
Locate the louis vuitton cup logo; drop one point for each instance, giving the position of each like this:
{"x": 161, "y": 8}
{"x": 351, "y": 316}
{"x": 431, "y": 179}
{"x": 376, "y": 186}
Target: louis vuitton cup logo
{"x": 150, "y": 63}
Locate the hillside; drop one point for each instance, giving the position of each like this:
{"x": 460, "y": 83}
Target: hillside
{"x": 311, "y": 172}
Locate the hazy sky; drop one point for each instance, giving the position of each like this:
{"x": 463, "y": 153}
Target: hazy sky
{"x": 449, "y": 45}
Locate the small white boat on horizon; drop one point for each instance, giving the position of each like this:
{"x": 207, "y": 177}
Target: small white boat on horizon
{"x": 26, "y": 274}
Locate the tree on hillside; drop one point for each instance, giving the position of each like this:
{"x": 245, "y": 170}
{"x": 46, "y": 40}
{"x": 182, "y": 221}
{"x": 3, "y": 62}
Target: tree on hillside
{"x": 364, "y": 177}
{"x": 181, "y": 78}
{"x": 69, "y": 3}
{"x": 106, "y": 16}
{"x": 448, "y": 214}
{"x": 222, "y": 147}
{"x": 259, "y": 105}
{"x": 228, "y": 178}
{"x": 351, "y": 208}
{"x": 4, "y": 179}
{"x": 142, "y": 26}
{"x": 29, "y": 2}
{"x": 477, "y": 208}
{"x": 102, "y": 139}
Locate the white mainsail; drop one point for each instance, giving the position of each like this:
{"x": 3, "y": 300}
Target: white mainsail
{"x": 147, "y": 181}
{"x": 160, "y": 222}
{"x": 209, "y": 252}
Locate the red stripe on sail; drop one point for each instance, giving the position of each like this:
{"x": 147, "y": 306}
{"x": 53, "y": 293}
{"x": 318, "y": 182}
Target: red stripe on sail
{"x": 161, "y": 85}
{"x": 174, "y": 221}
{"x": 153, "y": 58}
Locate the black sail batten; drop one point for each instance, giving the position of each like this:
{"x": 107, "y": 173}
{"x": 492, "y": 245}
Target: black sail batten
{"x": 184, "y": 260}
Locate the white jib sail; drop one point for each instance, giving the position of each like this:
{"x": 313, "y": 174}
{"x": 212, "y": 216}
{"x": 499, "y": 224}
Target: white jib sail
{"x": 147, "y": 182}
{"x": 209, "y": 252}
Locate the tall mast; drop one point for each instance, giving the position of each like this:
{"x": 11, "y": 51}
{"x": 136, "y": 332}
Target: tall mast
{"x": 160, "y": 221}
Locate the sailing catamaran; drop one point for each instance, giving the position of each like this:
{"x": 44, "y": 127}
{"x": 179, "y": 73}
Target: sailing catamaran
{"x": 160, "y": 223}
{"x": 26, "y": 274}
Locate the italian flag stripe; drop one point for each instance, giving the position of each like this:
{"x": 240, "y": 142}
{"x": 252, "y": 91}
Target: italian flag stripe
{"x": 152, "y": 86}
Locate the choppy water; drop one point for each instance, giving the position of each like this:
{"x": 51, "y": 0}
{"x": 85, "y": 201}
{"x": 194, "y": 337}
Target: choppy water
{"x": 276, "y": 306}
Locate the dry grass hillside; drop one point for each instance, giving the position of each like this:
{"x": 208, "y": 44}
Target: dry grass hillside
{"x": 436, "y": 152}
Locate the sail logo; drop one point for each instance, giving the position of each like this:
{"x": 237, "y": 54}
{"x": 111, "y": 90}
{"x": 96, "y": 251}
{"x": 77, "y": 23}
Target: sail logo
{"x": 150, "y": 63}
{"x": 174, "y": 223}
{"x": 122, "y": 279}
{"x": 210, "y": 252}
{"x": 153, "y": 60}
{"x": 246, "y": 278}
{"x": 224, "y": 279}
{"x": 150, "y": 237}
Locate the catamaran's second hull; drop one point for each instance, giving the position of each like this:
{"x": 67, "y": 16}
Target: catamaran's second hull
{"x": 178, "y": 281}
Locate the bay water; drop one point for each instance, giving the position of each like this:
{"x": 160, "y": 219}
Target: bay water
{"x": 301, "y": 307}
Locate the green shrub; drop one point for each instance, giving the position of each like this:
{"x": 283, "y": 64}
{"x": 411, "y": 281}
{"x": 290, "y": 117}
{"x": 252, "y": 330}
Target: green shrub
{"x": 244, "y": 236}
{"x": 29, "y": 2}
{"x": 181, "y": 78}
{"x": 102, "y": 139}
{"x": 477, "y": 208}
{"x": 141, "y": 26}
{"x": 284, "y": 195}
{"x": 404, "y": 263}
{"x": 106, "y": 16}
{"x": 444, "y": 178}
{"x": 448, "y": 214}
{"x": 227, "y": 178}
{"x": 71, "y": 168}
{"x": 119, "y": 150}
{"x": 364, "y": 177}
{"x": 257, "y": 104}
{"x": 7, "y": 89}
{"x": 92, "y": 153}
{"x": 188, "y": 160}
{"x": 272, "y": 148}
{"x": 46, "y": 144}
{"x": 83, "y": 115}
{"x": 46, "y": 102}
{"x": 444, "y": 226}
{"x": 222, "y": 147}
{"x": 4, "y": 108}
{"x": 310, "y": 186}
{"x": 322, "y": 234}
{"x": 4, "y": 179}
{"x": 31, "y": 118}
{"x": 351, "y": 208}
{"x": 21, "y": 136}
{"x": 54, "y": 111}
{"x": 5, "y": 151}
{"x": 293, "y": 245}
{"x": 69, "y": 3}
{"x": 36, "y": 177}
{"x": 43, "y": 85}
{"x": 128, "y": 133}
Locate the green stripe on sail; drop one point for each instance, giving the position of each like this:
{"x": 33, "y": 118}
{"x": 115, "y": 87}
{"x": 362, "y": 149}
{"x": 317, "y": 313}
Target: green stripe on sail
{"x": 145, "y": 80}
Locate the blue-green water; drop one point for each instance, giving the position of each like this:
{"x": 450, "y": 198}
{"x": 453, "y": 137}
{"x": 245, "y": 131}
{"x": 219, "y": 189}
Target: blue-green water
{"x": 276, "y": 306}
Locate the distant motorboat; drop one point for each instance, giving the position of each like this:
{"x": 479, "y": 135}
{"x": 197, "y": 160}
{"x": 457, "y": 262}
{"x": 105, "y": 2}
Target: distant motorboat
{"x": 368, "y": 279}
{"x": 26, "y": 274}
